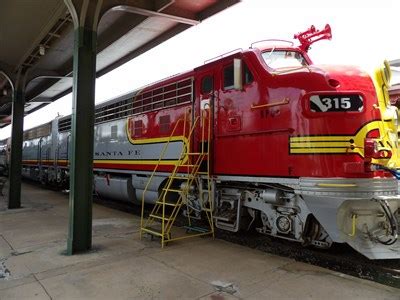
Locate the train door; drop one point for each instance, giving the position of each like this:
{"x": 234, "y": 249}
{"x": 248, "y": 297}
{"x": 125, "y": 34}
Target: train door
{"x": 237, "y": 148}
{"x": 203, "y": 107}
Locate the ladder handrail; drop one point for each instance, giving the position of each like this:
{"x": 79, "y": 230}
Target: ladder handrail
{"x": 192, "y": 160}
{"x": 194, "y": 170}
{"x": 162, "y": 154}
{"x": 210, "y": 209}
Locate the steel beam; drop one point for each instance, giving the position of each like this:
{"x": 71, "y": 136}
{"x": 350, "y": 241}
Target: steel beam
{"x": 395, "y": 63}
{"x": 17, "y": 132}
{"x": 151, "y": 13}
{"x": 81, "y": 155}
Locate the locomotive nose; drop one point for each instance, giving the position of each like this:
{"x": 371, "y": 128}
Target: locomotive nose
{"x": 343, "y": 77}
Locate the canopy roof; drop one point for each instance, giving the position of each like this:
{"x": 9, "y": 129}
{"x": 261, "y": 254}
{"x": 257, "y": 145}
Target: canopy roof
{"x": 38, "y": 36}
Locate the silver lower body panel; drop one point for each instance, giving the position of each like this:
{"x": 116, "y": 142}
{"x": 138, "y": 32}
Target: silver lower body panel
{"x": 350, "y": 211}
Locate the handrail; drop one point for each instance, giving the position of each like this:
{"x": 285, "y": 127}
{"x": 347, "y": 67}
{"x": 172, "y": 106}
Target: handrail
{"x": 283, "y": 102}
{"x": 158, "y": 163}
{"x": 167, "y": 227}
{"x": 208, "y": 210}
{"x": 192, "y": 160}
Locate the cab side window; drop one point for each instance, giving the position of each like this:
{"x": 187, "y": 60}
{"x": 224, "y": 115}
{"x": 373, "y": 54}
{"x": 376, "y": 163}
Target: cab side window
{"x": 247, "y": 75}
{"x": 228, "y": 77}
{"x": 228, "y": 73}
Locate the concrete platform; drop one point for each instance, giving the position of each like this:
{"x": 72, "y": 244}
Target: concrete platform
{"x": 120, "y": 266}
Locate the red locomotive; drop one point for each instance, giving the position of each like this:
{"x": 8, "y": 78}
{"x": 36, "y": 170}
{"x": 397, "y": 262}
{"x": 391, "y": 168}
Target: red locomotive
{"x": 261, "y": 137}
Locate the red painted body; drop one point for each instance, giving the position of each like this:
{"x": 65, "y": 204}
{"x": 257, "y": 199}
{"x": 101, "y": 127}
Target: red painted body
{"x": 255, "y": 142}
{"x": 253, "y": 126}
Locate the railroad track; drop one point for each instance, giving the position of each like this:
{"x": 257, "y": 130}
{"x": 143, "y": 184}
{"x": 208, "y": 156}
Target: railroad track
{"x": 340, "y": 257}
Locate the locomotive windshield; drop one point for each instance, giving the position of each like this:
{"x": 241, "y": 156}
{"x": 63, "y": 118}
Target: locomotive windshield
{"x": 277, "y": 59}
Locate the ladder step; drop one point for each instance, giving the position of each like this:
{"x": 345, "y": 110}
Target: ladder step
{"x": 202, "y": 173}
{"x": 159, "y": 217}
{"x": 172, "y": 190}
{"x": 186, "y": 177}
{"x": 196, "y": 153}
{"x": 151, "y": 231}
{"x": 167, "y": 203}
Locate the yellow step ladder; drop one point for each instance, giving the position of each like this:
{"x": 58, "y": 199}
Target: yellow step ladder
{"x": 185, "y": 174}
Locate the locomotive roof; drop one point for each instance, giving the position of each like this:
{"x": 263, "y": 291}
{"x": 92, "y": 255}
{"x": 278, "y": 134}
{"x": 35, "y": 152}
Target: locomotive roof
{"x": 234, "y": 53}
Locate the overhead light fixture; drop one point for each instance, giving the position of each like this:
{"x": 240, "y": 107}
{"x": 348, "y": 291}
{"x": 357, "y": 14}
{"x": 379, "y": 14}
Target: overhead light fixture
{"x": 4, "y": 92}
{"x": 42, "y": 50}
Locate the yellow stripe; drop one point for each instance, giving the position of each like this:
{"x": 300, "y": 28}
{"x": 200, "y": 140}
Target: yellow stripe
{"x": 320, "y": 138}
{"x": 152, "y": 140}
{"x": 326, "y": 143}
{"x": 117, "y": 162}
{"x": 136, "y": 162}
{"x": 44, "y": 160}
{"x": 180, "y": 138}
{"x": 156, "y": 140}
{"x": 336, "y": 184}
{"x": 319, "y": 144}
{"x": 321, "y": 150}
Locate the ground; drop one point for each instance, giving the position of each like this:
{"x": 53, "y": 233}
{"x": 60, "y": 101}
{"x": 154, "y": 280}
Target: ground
{"x": 33, "y": 264}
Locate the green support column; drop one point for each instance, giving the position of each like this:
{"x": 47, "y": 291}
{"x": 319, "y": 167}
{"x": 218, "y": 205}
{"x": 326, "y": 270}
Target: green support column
{"x": 81, "y": 155}
{"x": 17, "y": 132}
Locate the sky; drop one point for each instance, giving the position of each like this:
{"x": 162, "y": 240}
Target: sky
{"x": 364, "y": 33}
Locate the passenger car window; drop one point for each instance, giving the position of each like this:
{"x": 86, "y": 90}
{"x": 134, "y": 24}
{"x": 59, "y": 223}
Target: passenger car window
{"x": 165, "y": 123}
{"x": 114, "y": 131}
{"x": 138, "y": 128}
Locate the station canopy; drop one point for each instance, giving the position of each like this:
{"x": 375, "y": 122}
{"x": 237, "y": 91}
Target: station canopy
{"x": 39, "y": 36}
